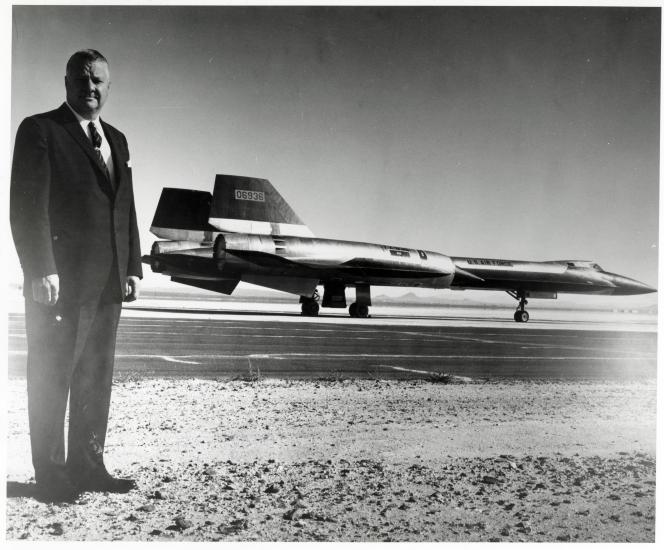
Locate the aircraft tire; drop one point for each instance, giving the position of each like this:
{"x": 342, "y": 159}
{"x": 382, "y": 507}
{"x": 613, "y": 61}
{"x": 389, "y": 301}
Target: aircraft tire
{"x": 352, "y": 310}
{"x": 310, "y": 309}
{"x": 362, "y": 311}
{"x": 521, "y": 316}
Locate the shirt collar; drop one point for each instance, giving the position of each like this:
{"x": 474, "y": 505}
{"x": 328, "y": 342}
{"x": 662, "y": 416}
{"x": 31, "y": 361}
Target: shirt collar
{"x": 80, "y": 119}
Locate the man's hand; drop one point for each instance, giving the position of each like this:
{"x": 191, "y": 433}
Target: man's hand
{"x": 45, "y": 290}
{"x": 132, "y": 288}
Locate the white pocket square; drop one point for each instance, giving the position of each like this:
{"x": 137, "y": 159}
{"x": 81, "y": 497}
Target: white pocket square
{"x": 129, "y": 163}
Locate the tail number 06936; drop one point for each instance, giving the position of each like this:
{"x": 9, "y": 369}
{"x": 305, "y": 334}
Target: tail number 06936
{"x": 243, "y": 195}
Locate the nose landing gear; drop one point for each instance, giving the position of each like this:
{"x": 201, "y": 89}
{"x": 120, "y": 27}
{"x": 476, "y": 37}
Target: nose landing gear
{"x": 520, "y": 315}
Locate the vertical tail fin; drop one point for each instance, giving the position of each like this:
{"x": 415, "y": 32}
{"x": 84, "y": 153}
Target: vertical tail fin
{"x": 182, "y": 215}
{"x": 252, "y": 205}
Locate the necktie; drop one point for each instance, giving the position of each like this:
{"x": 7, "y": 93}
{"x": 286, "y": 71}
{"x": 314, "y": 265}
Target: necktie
{"x": 96, "y": 141}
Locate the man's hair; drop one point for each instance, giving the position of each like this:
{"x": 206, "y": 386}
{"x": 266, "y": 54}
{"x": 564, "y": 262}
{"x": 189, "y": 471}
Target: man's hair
{"x": 83, "y": 57}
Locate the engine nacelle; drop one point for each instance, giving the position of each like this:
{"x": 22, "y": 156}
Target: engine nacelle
{"x": 242, "y": 242}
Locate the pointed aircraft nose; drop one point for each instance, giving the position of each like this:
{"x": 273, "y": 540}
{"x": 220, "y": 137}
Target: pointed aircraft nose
{"x": 626, "y": 286}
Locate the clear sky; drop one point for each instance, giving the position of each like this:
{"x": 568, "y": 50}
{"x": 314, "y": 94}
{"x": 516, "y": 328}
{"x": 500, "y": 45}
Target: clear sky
{"x": 521, "y": 133}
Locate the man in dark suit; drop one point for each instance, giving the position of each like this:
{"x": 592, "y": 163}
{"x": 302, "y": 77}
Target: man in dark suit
{"x": 74, "y": 226}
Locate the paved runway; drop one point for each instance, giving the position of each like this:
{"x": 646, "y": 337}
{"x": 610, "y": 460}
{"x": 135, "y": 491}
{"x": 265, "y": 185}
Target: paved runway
{"x": 254, "y": 344}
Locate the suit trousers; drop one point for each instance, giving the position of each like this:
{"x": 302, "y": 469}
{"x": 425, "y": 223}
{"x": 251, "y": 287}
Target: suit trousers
{"x": 71, "y": 351}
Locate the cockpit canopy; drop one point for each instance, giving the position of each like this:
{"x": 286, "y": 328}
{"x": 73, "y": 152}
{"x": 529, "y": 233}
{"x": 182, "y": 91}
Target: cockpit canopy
{"x": 583, "y": 264}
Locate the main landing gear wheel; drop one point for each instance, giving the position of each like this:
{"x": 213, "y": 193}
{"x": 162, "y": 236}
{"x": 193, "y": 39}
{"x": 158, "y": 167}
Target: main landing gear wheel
{"x": 359, "y": 310}
{"x": 310, "y": 308}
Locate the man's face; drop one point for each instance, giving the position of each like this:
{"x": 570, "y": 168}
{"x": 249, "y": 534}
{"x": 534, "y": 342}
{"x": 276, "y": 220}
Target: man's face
{"x": 87, "y": 86}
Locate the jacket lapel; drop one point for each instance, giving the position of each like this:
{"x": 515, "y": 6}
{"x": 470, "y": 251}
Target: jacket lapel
{"x": 72, "y": 126}
{"x": 115, "y": 154}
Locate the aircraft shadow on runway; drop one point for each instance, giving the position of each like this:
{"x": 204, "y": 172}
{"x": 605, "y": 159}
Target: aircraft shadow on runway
{"x": 409, "y": 317}
{"x": 194, "y": 311}
{"x": 306, "y": 318}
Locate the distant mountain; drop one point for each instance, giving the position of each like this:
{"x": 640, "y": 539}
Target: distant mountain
{"x": 422, "y": 298}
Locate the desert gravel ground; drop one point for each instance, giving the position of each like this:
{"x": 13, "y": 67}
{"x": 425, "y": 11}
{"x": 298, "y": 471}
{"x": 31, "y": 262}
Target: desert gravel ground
{"x": 359, "y": 460}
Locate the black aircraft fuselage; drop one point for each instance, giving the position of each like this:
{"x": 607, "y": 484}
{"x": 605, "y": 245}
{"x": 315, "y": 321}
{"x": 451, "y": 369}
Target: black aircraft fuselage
{"x": 246, "y": 232}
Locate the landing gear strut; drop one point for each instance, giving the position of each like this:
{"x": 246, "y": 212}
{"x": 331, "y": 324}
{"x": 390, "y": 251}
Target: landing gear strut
{"x": 360, "y": 308}
{"x": 520, "y": 315}
{"x": 310, "y": 307}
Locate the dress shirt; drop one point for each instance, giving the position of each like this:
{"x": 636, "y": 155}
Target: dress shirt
{"x": 105, "y": 147}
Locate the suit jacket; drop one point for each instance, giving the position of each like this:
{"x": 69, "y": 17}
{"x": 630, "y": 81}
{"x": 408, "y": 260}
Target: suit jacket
{"x": 66, "y": 217}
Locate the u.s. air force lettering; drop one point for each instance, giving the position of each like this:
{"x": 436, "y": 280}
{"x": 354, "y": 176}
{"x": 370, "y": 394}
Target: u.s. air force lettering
{"x": 487, "y": 261}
